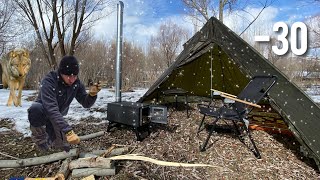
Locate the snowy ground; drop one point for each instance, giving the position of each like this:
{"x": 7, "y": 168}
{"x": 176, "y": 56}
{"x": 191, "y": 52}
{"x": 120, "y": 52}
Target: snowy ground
{"x": 20, "y": 117}
{"x": 314, "y": 93}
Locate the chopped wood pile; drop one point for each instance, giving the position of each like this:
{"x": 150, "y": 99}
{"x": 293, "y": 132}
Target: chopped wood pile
{"x": 79, "y": 164}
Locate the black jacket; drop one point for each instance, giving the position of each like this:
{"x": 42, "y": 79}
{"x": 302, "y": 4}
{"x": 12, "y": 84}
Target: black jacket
{"x": 56, "y": 96}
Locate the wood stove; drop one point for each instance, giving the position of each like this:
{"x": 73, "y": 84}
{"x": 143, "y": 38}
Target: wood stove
{"x": 135, "y": 115}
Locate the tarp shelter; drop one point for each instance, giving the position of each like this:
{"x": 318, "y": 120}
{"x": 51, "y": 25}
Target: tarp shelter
{"x": 215, "y": 57}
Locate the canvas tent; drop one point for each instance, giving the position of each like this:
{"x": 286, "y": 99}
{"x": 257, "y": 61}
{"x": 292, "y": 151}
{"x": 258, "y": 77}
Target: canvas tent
{"x": 216, "y": 57}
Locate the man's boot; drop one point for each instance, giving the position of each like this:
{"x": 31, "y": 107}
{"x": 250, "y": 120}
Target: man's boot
{"x": 60, "y": 141}
{"x": 40, "y": 137}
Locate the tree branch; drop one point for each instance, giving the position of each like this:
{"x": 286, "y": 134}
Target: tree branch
{"x": 264, "y": 6}
{"x": 38, "y": 160}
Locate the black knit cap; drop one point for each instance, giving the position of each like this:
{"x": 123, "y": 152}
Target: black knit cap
{"x": 69, "y": 66}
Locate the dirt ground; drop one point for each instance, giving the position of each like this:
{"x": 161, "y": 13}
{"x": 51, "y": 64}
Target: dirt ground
{"x": 177, "y": 142}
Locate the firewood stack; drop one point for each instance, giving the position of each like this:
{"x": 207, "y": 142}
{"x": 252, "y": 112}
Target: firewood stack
{"x": 95, "y": 163}
{"x": 82, "y": 165}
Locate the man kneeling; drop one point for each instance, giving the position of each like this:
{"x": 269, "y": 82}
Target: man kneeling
{"x": 57, "y": 90}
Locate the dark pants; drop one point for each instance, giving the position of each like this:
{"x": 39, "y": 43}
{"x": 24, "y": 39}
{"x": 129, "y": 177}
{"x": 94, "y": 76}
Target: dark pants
{"x": 42, "y": 130}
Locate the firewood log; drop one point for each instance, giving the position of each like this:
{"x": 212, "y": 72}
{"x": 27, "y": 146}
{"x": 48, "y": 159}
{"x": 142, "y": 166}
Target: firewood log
{"x": 91, "y": 136}
{"x": 38, "y": 160}
{"x": 92, "y": 171}
{"x": 64, "y": 168}
{"x": 93, "y": 162}
{"x": 91, "y": 177}
{"x": 114, "y": 152}
{"x": 42, "y": 178}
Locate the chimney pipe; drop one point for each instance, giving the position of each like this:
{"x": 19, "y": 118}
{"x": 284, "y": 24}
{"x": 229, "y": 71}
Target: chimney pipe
{"x": 119, "y": 50}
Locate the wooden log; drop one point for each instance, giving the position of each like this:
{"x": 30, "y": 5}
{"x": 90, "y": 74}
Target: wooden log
{"x": 87, "y": 155}
{"x": 91, "y": 177}
{"x": 92, "y": 171}
{"x": 38, "y": 160}
{"x": 91, "y": 136}
{"x": 265, "y": 114}
{"x": 46, "y": 178}
{"x": 64, "y": 168}
{"x": 114, "y": 152}
{"x": 93, "y": 162}
{"x": 108, "y": 151}
{"x": 57, "y": 177}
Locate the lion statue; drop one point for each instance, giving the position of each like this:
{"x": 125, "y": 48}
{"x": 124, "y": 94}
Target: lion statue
{"x": 15, "y": 67}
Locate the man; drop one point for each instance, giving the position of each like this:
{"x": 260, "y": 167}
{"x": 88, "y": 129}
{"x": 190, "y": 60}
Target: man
{"x": 57, "y": 90}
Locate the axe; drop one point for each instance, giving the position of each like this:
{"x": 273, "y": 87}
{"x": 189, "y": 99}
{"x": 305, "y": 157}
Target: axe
{"x": 59, "y": 176}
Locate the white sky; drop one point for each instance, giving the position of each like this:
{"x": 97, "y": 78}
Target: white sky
{"x": 19, "y": 115}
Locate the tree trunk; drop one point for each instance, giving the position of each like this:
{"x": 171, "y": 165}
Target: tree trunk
{"x": 59, "y": 32}
{"x": 221, "y": 5}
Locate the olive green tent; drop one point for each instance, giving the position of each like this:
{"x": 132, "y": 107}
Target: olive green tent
{"x": 216, "y": 57}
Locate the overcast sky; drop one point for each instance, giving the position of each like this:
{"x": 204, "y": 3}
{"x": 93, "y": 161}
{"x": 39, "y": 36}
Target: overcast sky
{"x": 142, "y": 18}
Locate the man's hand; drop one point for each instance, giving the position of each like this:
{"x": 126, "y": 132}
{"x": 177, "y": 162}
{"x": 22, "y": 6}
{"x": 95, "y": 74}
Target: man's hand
{"x": 72, "y": 137}
{"x": 94, "y": 89}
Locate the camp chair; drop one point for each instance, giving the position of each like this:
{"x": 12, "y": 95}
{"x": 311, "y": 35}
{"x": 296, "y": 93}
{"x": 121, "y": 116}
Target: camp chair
{"x": 236, "y": 109}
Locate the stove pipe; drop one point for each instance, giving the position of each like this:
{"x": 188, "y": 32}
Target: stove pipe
{"x": 119, "y": 50}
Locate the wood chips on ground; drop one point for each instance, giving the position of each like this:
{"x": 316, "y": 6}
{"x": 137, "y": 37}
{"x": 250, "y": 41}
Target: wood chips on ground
{"x": 175, "y": 142}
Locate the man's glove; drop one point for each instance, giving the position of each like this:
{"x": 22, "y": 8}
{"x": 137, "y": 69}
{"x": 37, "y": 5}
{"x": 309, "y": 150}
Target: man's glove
{"x": 72, "y": 137}
{"x": 59, "y": 176}
{"x": 94, "y": 89}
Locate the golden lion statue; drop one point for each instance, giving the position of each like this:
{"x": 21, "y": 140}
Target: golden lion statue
{"x": 15, "y": 67}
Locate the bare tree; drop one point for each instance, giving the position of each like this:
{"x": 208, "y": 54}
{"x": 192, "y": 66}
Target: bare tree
{"x": 155, "y": 64}
{"x": 206, "y": 9}
{"x": 272, "y": 57}
{"x": 132, "y": 65}
{"x": 314, "y": 28}
{"x": 264, "y": 5}
{"x": 95, "y": 61}
{"x": 202, "y": 10}
{"x": 6, "y": 24}
{"x": 168, "y": 40}
{"x": 61, "y": 24}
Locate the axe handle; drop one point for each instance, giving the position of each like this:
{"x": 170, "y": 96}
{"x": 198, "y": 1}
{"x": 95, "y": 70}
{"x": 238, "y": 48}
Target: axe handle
{"x": 46, "y": 178}
{"x": 242, "y": 101}
{"x": 224, "y": 93}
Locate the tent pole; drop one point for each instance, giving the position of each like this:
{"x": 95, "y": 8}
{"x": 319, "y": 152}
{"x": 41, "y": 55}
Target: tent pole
{"x": 211, "y": 74}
